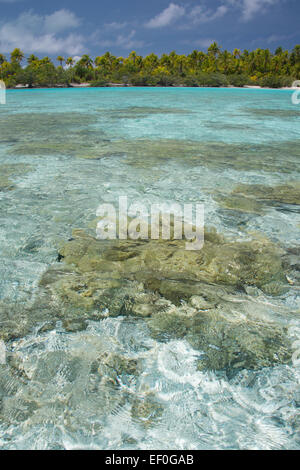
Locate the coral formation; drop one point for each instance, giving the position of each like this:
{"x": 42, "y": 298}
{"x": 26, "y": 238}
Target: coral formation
{"x": 202, "y": 296}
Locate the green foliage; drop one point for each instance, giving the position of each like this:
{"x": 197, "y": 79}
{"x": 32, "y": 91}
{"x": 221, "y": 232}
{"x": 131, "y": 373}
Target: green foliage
{"x": 271, "y": 81}
{"x": 216, "y": 68}
{"x": 16, "y": 56}
{"x": 99, "y": 83}
{"x": 212, "y": 80}
{"x": 142, "y": 80}
{"x": 191, "y": 81}
{"x": 238, "y": 79}
{"x": 274, "y": 81}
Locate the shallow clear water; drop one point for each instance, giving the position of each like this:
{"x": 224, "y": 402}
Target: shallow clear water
{"x": 64, "y": 152}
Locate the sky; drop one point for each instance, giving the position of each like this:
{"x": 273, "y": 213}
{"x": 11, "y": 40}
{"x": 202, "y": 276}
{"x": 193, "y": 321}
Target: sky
{"x": 74, "y": 27}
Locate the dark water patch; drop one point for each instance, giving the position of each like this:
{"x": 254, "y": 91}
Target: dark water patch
{"x": 9, "y": 141}
{"x": 143, "y": 153}
{"x": 287, "y": 208}
{"x": 54, "y": 134}
{"x": 34, "y": 126}
{"x": 219, "y": 125}
{"x": 75, "y": 134}
{"x": 235, "y": 219}
{"x": 239, "y": 203}
{"x": 24, "y": 122}
{"x": 254, "y": 199}
{"x": 69, "y": 147}
{"x": 276, "y": 113}
{"x": 288, "y": 193}
{"x": 139, "y": 112}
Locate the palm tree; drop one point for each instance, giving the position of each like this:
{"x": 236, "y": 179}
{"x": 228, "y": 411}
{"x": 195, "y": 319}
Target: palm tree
{"x": 106, "y": 61}
{"x": 180, "y": 64}
{"x": 70, "y": 62}
{"x": 150, "y": 62}
{"x": 32, "y": 58}
{"x": 225, "y": 60}
{"x": 295, "y": 56}
{"x": 213, "y": 52}
{"x": 193, "y": 57}
{"x": 86, "y": 61}
{"x": 133, "y": 57}
{"x": 17, "y": 56}
{"x": 258, "y": 65}
{"x": 45, "y": 60}
{"x": 173, "y": 59}
{"x": 237, "y": 53}
{"x": 214, "y": 49}
{"x": 252, "y": 62}
{"x": 266, "y": 56}
{"x": 60, "y": 59}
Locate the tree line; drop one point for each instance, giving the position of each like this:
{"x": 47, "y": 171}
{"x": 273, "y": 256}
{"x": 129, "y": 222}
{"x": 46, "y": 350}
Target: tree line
{"x": 216, "y": 67}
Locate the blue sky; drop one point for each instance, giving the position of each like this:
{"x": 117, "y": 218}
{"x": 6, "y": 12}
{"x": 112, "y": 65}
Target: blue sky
{"x": 74, "y": 27}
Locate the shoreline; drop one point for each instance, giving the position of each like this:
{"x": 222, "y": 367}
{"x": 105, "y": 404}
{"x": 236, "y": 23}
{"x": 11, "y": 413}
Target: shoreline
{"x": 120, "y": 85}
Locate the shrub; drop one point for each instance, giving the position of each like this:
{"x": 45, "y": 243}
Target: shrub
{"x": 99, "y": 83}
{"x": 191, "y": 80}
{"x": 238, "y": 80}
{"x": 288, "y": 81}
{"x": 271, "y": 81}
{"x": 163, "y": 79}
{"x": 212, "y": 80}
{"x": 142, "y": 80}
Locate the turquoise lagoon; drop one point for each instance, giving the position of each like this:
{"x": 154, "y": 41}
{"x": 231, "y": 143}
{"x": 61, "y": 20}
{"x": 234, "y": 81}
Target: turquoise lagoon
{"x": 105, "y": 381}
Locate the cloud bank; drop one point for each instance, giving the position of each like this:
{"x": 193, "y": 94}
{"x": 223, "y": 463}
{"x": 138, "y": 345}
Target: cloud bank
{"x": 48, "y": 34}
{"x": 167, "y": 16}
{"x": 247, "y": 10}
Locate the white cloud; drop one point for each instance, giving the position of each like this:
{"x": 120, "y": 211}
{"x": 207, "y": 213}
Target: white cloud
{"x": 201, "y": 14}
{"x": 251, "y": 8}
{"x": 76, "y": 58}
{"x": 38, "y": 33}
{"x": 172, "y": 13}
{"x": 60, "y": 21}
{"x": 190, "y": 16}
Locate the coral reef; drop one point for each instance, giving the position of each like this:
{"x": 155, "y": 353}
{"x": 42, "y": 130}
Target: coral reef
{"x": 285, "y": 194}
{"x": 256, "y": 198}
{"x": 81, "y": 135}
{"x": 202, "y": 296}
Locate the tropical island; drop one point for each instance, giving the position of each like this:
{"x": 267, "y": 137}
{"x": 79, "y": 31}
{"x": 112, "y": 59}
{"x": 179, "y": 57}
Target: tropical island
{"x": 214, "y": 68}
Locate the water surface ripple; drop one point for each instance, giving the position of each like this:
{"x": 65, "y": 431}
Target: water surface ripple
{"x": 111, "y": 348}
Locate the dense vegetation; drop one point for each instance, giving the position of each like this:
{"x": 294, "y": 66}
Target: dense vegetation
{"x": 216, "y": 67}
